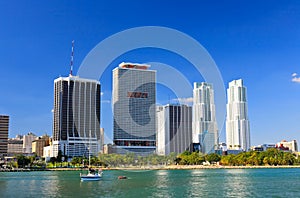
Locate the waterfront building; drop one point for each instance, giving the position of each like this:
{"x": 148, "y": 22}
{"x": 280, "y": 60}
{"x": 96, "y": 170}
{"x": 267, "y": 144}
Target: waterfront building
{"x": 134, "y": 111}
{"x": 237, "y": 122}
{"x": 76, "y": 116}
{"x": 291, "y": 145}
{"x": 174, "y": 129}
{"x": 4, "y": 126}
{"x": 205, "y": 129}
{"x": 263, "y": 147}
{"x": 39, "y": 144}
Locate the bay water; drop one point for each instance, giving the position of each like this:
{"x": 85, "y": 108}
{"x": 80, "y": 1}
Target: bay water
{"x": 265, "y": 182}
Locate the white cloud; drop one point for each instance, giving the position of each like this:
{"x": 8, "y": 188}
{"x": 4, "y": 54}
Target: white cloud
{"x": 296, "y": 79}
{"x": 102, "y": 93}
{"x": 294, "y": 74}
{"x": 183, "y": 100}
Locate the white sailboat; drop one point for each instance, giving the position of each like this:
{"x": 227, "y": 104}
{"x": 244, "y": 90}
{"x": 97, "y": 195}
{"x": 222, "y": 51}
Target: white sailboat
{"x": 93, "y": 175}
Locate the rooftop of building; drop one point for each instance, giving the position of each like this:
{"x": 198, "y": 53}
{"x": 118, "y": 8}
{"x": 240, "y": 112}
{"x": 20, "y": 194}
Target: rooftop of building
{"x": 76, "y": 78}
{"x": 134, "y": 66}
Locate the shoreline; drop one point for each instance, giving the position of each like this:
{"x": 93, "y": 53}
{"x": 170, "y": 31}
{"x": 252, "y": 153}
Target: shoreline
{"x": 170, "y": 167}
{"x": 194, "y": 167}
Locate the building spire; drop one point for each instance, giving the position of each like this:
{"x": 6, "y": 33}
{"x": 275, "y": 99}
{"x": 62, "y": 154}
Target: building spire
{"x": 72, "y": 59}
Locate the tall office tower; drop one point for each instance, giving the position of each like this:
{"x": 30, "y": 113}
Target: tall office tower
{"x": 174, "y": 129}
{"x": 4, "y": 125}
{"x": 134, "y": 108}
{"x": 237, "y": 123}
{"x": 76, "y": 116}
{"x": 205, "y": 128}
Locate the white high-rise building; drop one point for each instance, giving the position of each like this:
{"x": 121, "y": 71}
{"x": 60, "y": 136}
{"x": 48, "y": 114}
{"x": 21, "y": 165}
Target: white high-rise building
{"x": 76, "y": 116}
{"x": 205, "y": 129}
{"x": 174, "y": 129}
{"x": 134, "y": 108}
{"x": 237, "y": 122}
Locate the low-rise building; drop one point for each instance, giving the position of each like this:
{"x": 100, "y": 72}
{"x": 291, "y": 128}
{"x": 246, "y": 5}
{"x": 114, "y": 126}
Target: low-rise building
{"x": 108, "y": 149}
{"x": 14, "y": 146}
{"x": 39, "y": 144}
{"x": 285, "y": 145}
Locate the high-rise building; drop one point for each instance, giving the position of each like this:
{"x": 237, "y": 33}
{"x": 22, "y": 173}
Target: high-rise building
{"x": 101, "y": 139}
{"x": 134, "y": 109}
{"x": 237, "y": 122}
{"x": 4, "y": 125}
{"x": 76, "y": 116}
{"x": 205, "y": 128}
{"x": 174, "y": 129}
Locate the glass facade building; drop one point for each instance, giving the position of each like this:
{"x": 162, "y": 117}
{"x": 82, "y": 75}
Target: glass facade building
{"x": 76, "y": 116}
{"x": 134, "y": 108}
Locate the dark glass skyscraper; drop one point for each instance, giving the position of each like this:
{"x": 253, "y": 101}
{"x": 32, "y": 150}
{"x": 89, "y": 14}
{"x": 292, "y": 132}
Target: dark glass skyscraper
{"x": 76, "y": 116}
{"x": 4, "y": 125}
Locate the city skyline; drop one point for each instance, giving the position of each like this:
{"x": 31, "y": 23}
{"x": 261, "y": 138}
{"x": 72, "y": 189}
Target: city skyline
{"x": 255, "y": 41}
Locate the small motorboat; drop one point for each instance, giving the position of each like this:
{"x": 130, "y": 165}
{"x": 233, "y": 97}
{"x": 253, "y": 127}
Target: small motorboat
{"x": 122, "y": 177}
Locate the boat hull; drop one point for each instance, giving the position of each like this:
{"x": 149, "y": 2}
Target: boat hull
{"x": 89, "y": 178}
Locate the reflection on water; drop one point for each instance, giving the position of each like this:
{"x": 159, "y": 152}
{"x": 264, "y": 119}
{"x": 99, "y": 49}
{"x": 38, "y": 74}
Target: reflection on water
{"x": 160, "y": 183}
{"x": 237, "y": 183}
{"x": 22, "y": 184}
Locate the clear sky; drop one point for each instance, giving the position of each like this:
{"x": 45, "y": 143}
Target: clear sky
{"x": 258, "y": 41}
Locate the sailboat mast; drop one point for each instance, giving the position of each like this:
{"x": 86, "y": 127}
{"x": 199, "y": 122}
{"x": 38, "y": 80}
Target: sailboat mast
{"x": 90, "y": 149}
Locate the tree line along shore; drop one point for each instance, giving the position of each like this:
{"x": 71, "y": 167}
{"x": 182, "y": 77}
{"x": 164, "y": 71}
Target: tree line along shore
{"x": 186, "y": 160}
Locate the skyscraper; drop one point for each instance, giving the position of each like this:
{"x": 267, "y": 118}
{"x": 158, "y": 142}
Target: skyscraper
{"x": 205, "y": 129}
{"x": 76, "y": 116}
{"x": 174, "y": 129}
{"x": 237, "y": 122}
{"x": 4, "y": 125}
{"x": 134, "y": 108}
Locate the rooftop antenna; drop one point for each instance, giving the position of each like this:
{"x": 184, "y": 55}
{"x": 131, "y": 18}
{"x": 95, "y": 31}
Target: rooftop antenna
{"x": 72, "y": 59}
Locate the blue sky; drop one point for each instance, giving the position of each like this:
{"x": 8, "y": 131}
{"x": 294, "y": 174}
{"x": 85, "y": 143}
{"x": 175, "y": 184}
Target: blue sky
{"x": 258, "y": 41}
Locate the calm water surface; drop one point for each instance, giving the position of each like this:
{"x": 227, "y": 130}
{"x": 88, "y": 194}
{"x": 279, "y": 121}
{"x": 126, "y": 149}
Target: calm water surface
{"x": 158, "y": 183}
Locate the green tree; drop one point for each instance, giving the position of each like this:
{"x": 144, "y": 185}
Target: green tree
{"x": 171, "y": 158}
{"x": 129, "y": 159}
{"x": 22, "y": 161}
{"x": 213, "y": 157}
{"x": 59, "y": 156}
{"x": 289, "y": 158}
{"x": 228, "y": 160}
